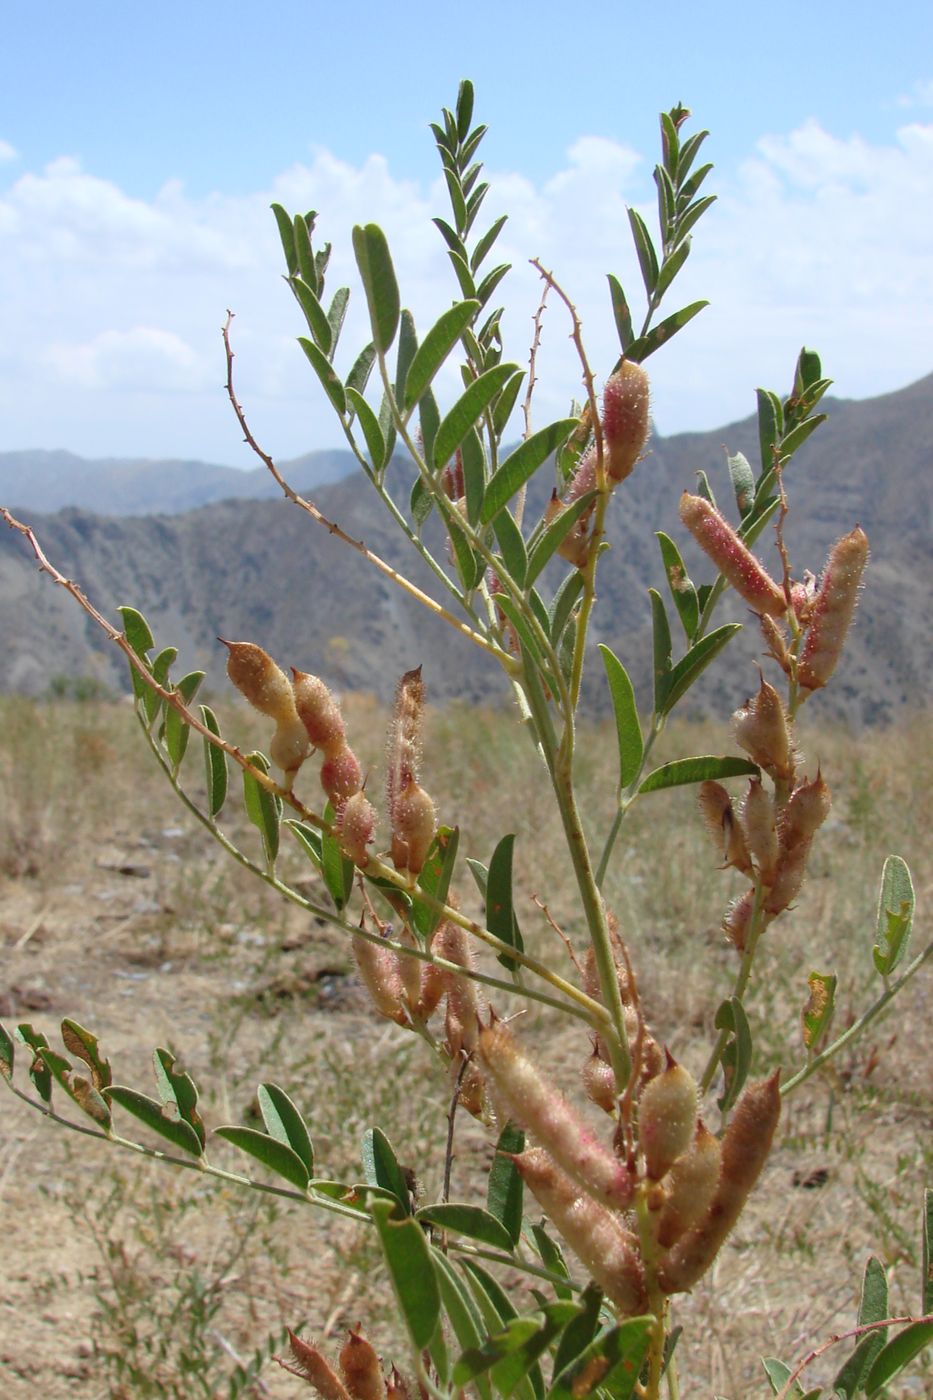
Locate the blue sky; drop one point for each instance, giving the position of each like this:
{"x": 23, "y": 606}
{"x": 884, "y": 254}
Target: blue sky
{"x": 140, "y": 148}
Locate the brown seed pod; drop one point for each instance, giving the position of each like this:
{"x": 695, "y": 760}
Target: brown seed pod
{"x": 690, "y": 1186}
{"x": 761, "y": 729}
{"x": 745, "y": 1149}
{"x": 599, "y": 1082}
{"x": 315, "y": 1368}
{"x": 361, "y": 1370}
{"x": 804, "y": 813}
{"x": 625, "y": 419}
{"x": 733, "y": 559}
{"x": 788, "y": 879}
{"x": 413, "y": 827}
{"x": 596, "y": 1235}
{"x": 356, "y": 826}
{"x": 737, "y": 920}
{"x": 319, "y": 712}
{"x": 667, "y": 1118}
{"x": 832, "y": 610}
{"x": 379, "y": 970}
{"x": 522, "y": 1094}
{"x": 257, "y": 677}
{"x": 759, "y": 826}
{"x": 726, "y": 832}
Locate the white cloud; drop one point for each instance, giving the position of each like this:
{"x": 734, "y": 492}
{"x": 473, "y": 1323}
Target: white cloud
{"x": 113, "y": 303}
{"x": 920, "y": 95}
{"x": 7, "y": 152}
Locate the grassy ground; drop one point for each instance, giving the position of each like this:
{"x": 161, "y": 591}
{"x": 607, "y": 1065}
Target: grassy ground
{"x": 117, "y": 909}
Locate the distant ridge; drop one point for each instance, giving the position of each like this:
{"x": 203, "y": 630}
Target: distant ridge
{"x": 269, "y": 574}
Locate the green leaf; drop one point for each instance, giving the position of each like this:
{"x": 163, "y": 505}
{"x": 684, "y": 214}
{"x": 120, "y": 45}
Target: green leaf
{"x": 873, "y": 1307}
{"x": 408, "y": 1257}
{"x": 153, "y": 1115}
{"x": 485, "y": 243}
{"x": 272, "y": 1153}
{"x": 736, "y": 1057}
{"x": 690, "y": 667}
{"x": 474, "y": 473}
{"x": 336, "y": 869}
{"x": 285, "y": 1124}
{"x": 326, "y": 373}
{"x": 564, "y": 602}
{"x": 287, "y": 236}
{"x": 177, "y": 1090}
{"x": 778, "y": 1375}
{"x": 136, "y": 631}
{"x": 512, "y": 545}
{"x": 511, "y": 1352}
{"x": 7, "y": 1053}
{"x": 375, "y": 442}
{"x": 661, "y": 640}
{"x": 696, "y": 211}
{"x": 522, "y": 464}
{"x": 621, "y": 313}
{"x": 552, "y": 1258}
{"x": 430, "y": 419}
{"x": 696, "y": 770}
{"x": 898, "y": 1354}
{"x": 152, "y": 701}
{"x": 215, "y": 761}
{"x": 611, "y": 1363}
{"x": 307, "y": 266}
{"x": 490, "y": 282}
{"x": 682, "y": 590}
{"x": 500, "y": 913}
{"x": 336, "y": 315}
{"x": 672, "y": 265}
{"x": 472, "y": 1221}
{"x": 78, "y": 1089}
{"x": 798, "y": 436}
{"x": 437, "y": 345}
{"x": 314, "y": 314}
{"x": 177, "y": 732}
{"x": 434, "y": 880}
{"x": 465, "y": 1318}
{"x": 464, "y": 108}
{"x": 581, "y": 1329}
{"x": 470, "y": 566}
{"x": 647, "y": 257}
{"x": 770, "y": 426}
{"x": 895, "y": 915}
{"x": 263, "y": 807}
{"x": 85, "y": 1045}
{"x": 502, "y": 409}
{"x": 39, "y": 1072}
{"x": 818, "y": 1012}
{"x": 505, "y": 1188}
{"x": 545, "y": 543}
{"x": 381, "y": 1168}
{"x": 378, "y": 275}
{"x": 661, "y": 333}
{"x": 628, "y": 725}
{"x": 470, "y": 406}
{"x": 407, "y": 349}
{"x": 358, "y": 377}
{"x": 743, "y": 482}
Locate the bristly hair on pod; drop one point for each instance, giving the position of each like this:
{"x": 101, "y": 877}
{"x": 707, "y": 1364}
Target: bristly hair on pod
{"x": 733, "y": 559}
{"x": 625, "y": 419}
{"x": 832, "y": 610}
{"x": 411, "y": 810}
{"x": 763, "y": 731}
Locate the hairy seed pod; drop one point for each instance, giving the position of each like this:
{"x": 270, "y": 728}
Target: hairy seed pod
{"x": 737, "y": 920}
{"x": 804, "y": 812}
{"x": 832, "y": 610}
{"x": 600, "y": 1241}
{"x": 289, "y": 747}
{"x": 775, "y": 639}
{"x": 735, "y": 562}
{"x": 522, "y": 1094}
{"x": 745, "y": 1149}
{"x": 625, "y": 421}
{"x": 396, "y": 1388}
{"x": 726, "y": 832}
{"x": 761, "y": 729}
{"x": 788, "y": 879}
{"x": 410, "y": 969}
{"x": 413, "y": 826}
{"x": 356, "y": 826}
{"x": 361, "y": 1370}
{"x": 599, "y": 1082}
{"x": 311, "y": 1364}
{"x": 319, "y": 712}
{"x": 667, "y": 1118}
{"x": 473, "y": 1091}
{"x": 802, "y": 598}
{"x": 266, "y": 687}
{"x": 465, "y": 1002}
{"x": 379, "y": 970}
{"x": 759, "y": 825}
{"x": 341, "y": 775}
{"x": 690, "y": 1186}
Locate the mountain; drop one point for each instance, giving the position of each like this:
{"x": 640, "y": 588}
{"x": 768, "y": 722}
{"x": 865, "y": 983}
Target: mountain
{"x": 272, "y": 575}
{"x": 48, "y": 481}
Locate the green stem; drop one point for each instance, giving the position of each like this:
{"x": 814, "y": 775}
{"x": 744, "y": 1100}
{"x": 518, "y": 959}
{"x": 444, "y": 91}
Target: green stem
{"x": 858, "y": 1025}
{"x": 626, "y": 800}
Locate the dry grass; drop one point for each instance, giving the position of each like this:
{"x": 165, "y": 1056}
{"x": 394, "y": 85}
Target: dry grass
{"x": 117, "y": 909}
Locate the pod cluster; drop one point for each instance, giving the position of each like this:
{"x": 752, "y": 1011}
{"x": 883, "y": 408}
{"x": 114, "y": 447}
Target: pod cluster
{"x": 358, "y": 1376}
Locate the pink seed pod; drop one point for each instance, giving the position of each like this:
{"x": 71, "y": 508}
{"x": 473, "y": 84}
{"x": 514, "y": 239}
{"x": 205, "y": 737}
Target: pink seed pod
{"x": 600, "y": 1241}
{"x": 413, "y": 826}
{"x": 356, "y": 826}
{"x": 759, "y": 825}
{"x": 625, "y": 419}
{"x": 522, "y": 1094}
{"x": 599, "y": 1082}
{"x": 726, "y": 832}
{"x": 583, "y": 479}
{"x": 341, "y": 775}
{"x": 361, "y": 1370}
{"x": 319, "y": 712}
{"x": 745, "y": 1149}
{"x": 802, "y": 598}
{"x": 737, "y": 920}
{"x": 804, "y": 813}
{"x": 379, "y": 970}
{"x": 690, "y": 1186}
{"x": 314, "y": 1367}
{"x": 832, "y": 610}
{"x": 257, "y": 677}
{"x": 761, "y": 729}
{"x": 735, "y": 562}
{"x": 667, "y": 1118}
